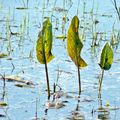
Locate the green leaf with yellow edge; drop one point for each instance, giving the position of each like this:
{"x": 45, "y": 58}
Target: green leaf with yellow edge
{"x": 44, "y": 43}
{"x": 106, "y": 58}
{"x": 74, "y": 44}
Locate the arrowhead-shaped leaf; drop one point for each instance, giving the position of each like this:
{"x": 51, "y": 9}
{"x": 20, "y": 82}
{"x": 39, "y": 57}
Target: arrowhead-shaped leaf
{"x": 106, "y": 58}
{"x": 44, "y": 43}
{"x": 74, "y": 44}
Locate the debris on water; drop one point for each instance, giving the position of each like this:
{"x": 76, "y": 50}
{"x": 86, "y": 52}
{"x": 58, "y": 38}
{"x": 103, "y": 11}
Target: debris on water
{"x": 77, "y": 115}
{"x": 15, "y": 33}
{"x": 87, "y": 100}
{"x": 54, "y": 104}
{"x": 3, "y": 104}
{"x": 29, "y": 83}
{"x": 21, "y": 8}
{"x": 69, "y": 96}
{"x": 103, "y": 109}
{"x": 114, "y": 108}
{"x": 107, "y": 109}
{"x": 16, "y": 78}
{"x": 58, "y": 94}
{"x": 61, "y": 37}
{"x": 58, "y": 9}
{"x": 1, "y": 115}
{"x": 35, "y": 118}
{"x": 24, "y": 85}
{"x": 3, "y": 55}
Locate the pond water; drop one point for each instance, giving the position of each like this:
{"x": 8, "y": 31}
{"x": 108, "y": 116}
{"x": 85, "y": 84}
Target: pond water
{"x": 20, "y": 23}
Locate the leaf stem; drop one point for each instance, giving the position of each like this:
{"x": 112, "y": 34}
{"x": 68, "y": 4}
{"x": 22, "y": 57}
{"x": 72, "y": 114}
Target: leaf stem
{"x": 47, "y": 78}
{"x": 79, "y": 81}
{"x": 100, "y": 84}
{"x": 46, "y": 71}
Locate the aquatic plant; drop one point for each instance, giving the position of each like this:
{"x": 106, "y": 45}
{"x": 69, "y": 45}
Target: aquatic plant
{"x": 43, "y": 48}
{"x": 116, "y": 8}
{"x": 74, "y": 47}
{"x": 105, "y": 63}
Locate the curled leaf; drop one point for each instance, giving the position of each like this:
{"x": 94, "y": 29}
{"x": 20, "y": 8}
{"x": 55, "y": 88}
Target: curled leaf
{"x": 74, "y": 44}
{"x": 44, "y": 43}
{"x": 106, "y": 58}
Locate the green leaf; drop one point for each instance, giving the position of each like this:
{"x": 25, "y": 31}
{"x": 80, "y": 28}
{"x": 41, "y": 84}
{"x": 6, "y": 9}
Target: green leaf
{"x": 106, "y": 58}
{"x": 74, "y": 44}
{"x": 44, "y": 43}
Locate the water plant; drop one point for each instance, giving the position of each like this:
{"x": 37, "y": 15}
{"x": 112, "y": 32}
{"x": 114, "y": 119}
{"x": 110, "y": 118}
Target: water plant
{"x": 8, "y": 36}
{"x": 74, "y": 47}
{"x": 43, "y": 48}
{"x": 116, "y": 8}
{"x": 105, "y": 63}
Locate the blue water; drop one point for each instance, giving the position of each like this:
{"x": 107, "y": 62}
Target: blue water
{"x": 22, "y": 101}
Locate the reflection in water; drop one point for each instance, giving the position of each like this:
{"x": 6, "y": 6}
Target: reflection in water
{"x": 103, "y": 112}
{"x": 4, "y": 85}
{"x": 77, "y": 114}
{"x": 103, "y": 116}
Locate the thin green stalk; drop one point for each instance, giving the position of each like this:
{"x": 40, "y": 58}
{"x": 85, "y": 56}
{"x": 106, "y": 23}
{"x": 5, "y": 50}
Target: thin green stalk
{"x": 100, "y": 84}
{"x": 46, "y": 71}
{"x": 47, "y": 78}
{"x": 79, "y": 81}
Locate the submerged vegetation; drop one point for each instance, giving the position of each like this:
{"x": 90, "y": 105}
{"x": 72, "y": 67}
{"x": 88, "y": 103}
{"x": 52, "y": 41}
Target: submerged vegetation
{"x": 50, "y": 36}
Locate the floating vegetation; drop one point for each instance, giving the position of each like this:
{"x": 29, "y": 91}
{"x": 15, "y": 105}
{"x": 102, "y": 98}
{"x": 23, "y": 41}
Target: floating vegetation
{"x": 21, "y": 8}
{"x": 61, "y": 37}
{"x": 58, "y": 9}
{"x": 3, "y": 55}
{"x": 77, "y": 115}
{"x": 16, "y": 78}
{"x": 25, "y": 85}
{"x": 54, "y": 105}
{"x": 3, "y": 104}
